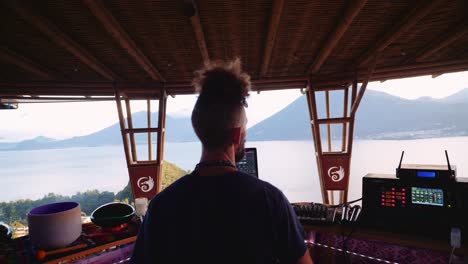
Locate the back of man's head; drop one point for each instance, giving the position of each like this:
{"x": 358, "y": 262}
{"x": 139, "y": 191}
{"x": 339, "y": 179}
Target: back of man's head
{"x": 223, "y": 89}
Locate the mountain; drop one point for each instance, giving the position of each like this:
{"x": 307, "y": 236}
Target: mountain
{"x": 177, "y": 130}
{"x": 460, "y": 97}
{"x": 36, "y": 142}
{"x": 380, "y": 116}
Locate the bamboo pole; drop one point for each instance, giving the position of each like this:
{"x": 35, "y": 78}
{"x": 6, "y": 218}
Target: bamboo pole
{"x": 330, "y": 81}
{"x": 57, "y": 36}
{"x": 198, "y": 30}
{"x": 344, "y": 22}
{"x": 26, "y": 64}
{"x": 115, "y": 30}
{"x": 442, "y": 41}
{"x": 402, "y": 25}
{"x": 275, "y": 18}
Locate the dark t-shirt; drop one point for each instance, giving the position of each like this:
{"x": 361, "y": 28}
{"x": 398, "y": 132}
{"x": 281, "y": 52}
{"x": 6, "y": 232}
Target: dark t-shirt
{"x": 231, "y": 218}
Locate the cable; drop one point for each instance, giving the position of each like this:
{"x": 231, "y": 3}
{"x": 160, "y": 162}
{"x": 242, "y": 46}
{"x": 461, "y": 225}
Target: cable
{"x": 451, "y": 255}
{"x": 350, "y": 202}
{"x": 455, "y": 240}
{"x": 352, "y": 253}
{"x": 346, "y": 239}
{"x": 343, "y": 248}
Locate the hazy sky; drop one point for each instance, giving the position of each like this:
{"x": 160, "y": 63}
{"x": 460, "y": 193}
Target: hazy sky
{"x": 64, "y": 120}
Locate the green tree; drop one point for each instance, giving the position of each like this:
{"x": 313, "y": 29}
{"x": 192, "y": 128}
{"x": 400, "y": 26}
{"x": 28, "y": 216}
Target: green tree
{"x": 16, "y": 212}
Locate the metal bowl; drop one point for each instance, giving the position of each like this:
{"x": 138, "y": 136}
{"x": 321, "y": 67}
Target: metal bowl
{"x": 5, "y": 232}
{"x": 112, "y": 214}
{"x": 54, "y": 225}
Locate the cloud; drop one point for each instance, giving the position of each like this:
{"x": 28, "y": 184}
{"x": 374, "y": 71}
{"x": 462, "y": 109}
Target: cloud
{"x": 184, "y": 112}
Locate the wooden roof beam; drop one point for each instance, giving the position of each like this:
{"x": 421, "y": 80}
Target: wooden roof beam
{"x": 26, "y": 64}
{"x": 441, "y": 42}
{"x": 192, "y": 12}
{"x": 275, "y": 17}
{"x": 344, "y": 22}
{"x": 56, "y": 35}
{"x": 404, "y": 25}
{"x": 118, "y": 33}
{"x": 394, "y": 72}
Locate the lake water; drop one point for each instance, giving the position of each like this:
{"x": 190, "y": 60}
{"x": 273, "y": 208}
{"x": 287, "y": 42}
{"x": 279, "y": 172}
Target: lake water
{"x": 289, "y": 165}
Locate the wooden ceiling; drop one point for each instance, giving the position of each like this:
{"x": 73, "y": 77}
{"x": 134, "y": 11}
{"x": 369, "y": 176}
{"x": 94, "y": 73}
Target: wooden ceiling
{"x": 86, "y": 47}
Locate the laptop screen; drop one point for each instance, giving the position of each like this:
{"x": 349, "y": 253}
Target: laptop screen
{"x": 249, "y": 163}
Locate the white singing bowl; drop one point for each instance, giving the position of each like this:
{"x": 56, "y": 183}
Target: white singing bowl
{"x": 54, "y": 225}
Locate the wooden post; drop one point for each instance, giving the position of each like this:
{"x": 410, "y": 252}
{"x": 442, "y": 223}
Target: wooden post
{"x": 161, "y": 136}
{"x": 351, "y": 125}
{"x": 317, "y": 138}
{"x": 122, "y": 126}
{"x": 334, "y": 166}
{"x": 329, "y": 131}
{"x": 344, "y": 195}
{"x": 345, "y": 115}
{"x": 150, "y": 139}
{"x": 145, "y": 175}
{"x": 355, "y": 104}
{"x": 130, "y": 126}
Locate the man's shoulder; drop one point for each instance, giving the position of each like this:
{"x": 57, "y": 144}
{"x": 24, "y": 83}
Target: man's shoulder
{"x": 172, "y": 189}
{"x": 268, "y": 188}
{"x": 176, "y": 185}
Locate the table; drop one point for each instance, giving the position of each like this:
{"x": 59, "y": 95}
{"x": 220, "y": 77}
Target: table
{"x": 97, "y": 247}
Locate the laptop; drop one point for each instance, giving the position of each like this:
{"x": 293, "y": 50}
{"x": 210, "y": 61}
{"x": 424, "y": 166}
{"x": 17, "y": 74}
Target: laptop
{"x": 249, "y": 163}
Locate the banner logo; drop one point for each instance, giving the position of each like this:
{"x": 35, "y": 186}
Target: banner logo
{"x": 145, "y": 184}
{"x": 336, "y": 174}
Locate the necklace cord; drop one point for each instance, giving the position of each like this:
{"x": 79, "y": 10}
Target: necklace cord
{"x": 215, "y": 163}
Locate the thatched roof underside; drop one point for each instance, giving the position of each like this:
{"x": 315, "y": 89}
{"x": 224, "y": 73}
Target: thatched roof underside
{"x": 84, "y": 47}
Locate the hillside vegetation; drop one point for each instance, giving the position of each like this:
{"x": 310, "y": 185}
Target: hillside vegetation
{"x": 15, "y": 212}
{"x": 170, "y": 174}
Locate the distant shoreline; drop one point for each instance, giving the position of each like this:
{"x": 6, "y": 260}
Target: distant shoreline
{"x": 274, "y": 140}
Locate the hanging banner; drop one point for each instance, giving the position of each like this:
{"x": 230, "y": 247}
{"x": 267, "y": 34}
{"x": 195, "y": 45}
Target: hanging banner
{"x": 335, "y": 171}
{"x": 143, "y": 180}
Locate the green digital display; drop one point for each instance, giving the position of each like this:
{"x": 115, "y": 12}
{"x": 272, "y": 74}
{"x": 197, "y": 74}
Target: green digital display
{"x": 427, "y": 196}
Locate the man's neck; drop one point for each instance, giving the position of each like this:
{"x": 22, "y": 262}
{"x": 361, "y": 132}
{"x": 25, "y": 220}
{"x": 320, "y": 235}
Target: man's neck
{"x": 214, "y": 155}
